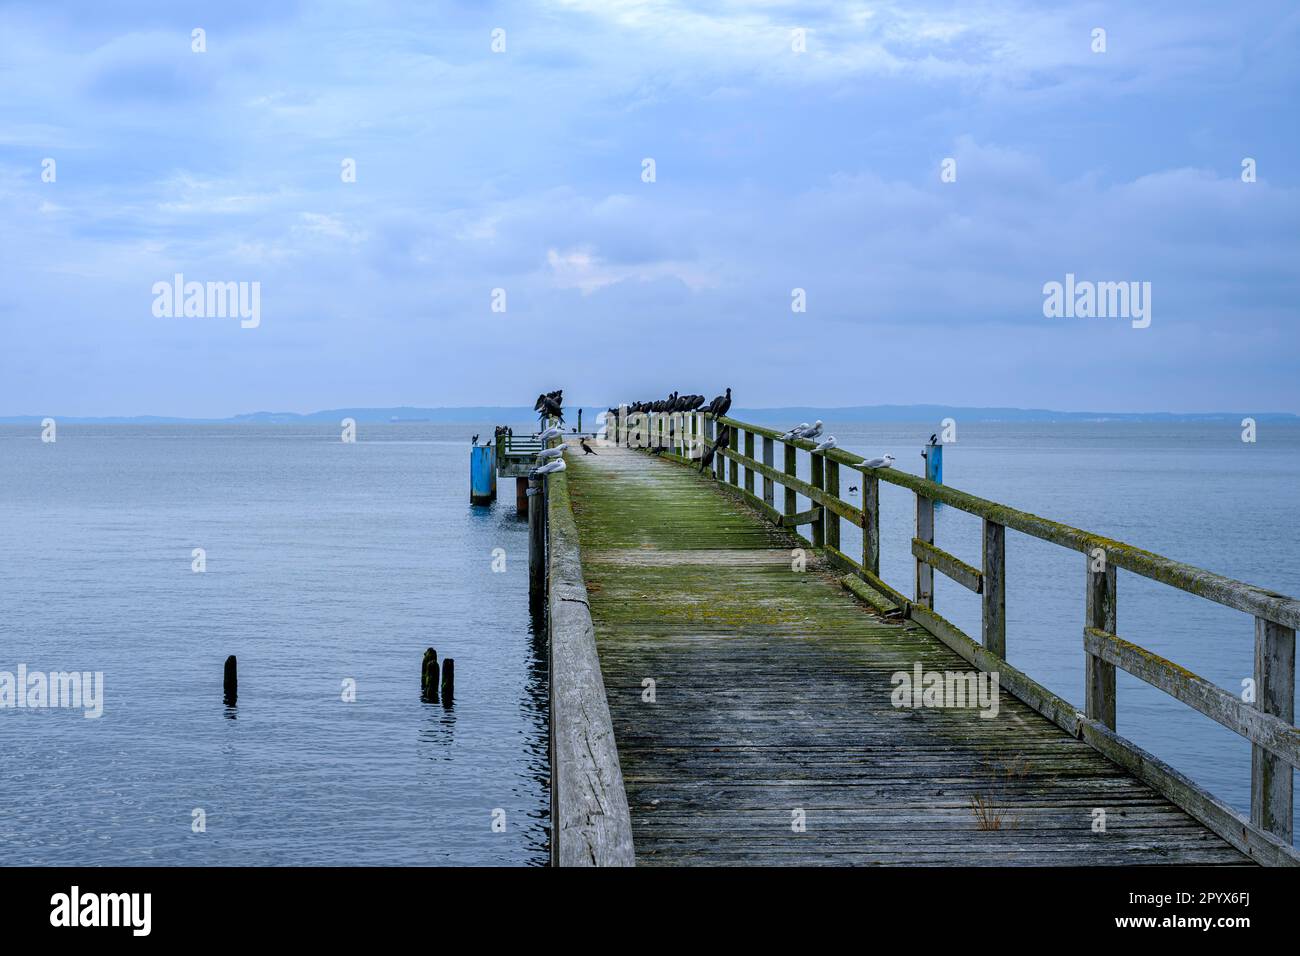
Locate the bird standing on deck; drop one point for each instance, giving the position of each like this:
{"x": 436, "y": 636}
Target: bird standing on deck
{"x": 585, "y": 449}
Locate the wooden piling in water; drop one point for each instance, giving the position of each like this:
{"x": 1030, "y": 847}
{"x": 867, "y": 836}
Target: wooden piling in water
{"x": 448, "y": 680}
{"x": 536, "y": 541}
{"x": 231, "y": 682}
{"x": 429, "y": 674}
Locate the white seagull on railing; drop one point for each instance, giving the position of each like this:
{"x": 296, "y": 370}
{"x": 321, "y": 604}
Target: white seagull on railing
{"x": 811, "y": 433}
{"x": 555, "y": 431}
{"x": 827, "y": 444}
{"x": 547, "y": 453}
{"x": 879, "y": 462}
{"x": 794, "y": 432}
{"x": 547, "y": 469}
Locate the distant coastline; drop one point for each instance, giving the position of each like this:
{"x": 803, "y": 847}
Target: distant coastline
{"x": 512, "y": 413}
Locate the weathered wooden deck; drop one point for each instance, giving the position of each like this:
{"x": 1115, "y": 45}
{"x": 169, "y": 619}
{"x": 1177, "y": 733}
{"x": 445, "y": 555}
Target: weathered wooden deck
{"x": 773, "y": 694}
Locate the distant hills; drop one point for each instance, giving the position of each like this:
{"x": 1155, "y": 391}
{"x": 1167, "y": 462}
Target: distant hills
{"x": 508, "y": 414}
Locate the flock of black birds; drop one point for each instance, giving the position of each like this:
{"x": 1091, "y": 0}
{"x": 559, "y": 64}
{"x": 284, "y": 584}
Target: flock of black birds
{"x": 687, "y": 404}
{"x": 551, "y": 405}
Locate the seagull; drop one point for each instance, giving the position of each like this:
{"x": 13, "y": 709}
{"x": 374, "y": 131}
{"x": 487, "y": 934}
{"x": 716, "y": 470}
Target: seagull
{"x": 795, "y": 432}
{"x": 555, "y": 431}
{"x": 827, "y": 444}
{"x": 547, "y": 469}
{"x": 879, "y": 462}
{"x": 811, "y": 433}
{"x": 548, "y": 453}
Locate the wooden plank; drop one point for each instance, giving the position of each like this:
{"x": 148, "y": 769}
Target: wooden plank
{"x": 955, "y": 568}
{"x": 1270, "y": 732}
{"x": 923, "y": 590}
{"x": 589, "y": 810}
{"x": 993, "y": 606}
{"x": 1099, "y": 613}
{"x": 1271, "y": 779}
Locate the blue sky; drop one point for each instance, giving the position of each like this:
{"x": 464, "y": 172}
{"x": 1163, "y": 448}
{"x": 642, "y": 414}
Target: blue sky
{"x": 522, "y": 170}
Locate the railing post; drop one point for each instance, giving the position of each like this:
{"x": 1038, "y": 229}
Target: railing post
{"x": 749, "y": 453}
{"x": 871, "y": 533}
{"x": 769, "y": 486}
{"x": 719, "y": 459}
{"x": 924, "y": 589}
{"x": 1099, "y": 689}
{"x": 536, "y": 542}
{"x": 993, "y": 624}
{"x": 818, "y": 481}
{"x": 1271, "y": 777}
{"x": 790, "y": 466}
{"x": 830, "y": 520}
{"x": 734, "y": 446}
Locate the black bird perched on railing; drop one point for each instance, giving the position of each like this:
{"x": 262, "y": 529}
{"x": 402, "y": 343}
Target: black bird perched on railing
{"x": 723, "y": 441}
{"x": 720, "y": 405}
{"x": 556, "y": 396}
{"x": 549, "y": 407}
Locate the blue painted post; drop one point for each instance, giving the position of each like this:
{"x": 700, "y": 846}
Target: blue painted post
{"x": 482, "y": 475}
{"x": 934, "y": 466}
{"x": 934, "y": 463}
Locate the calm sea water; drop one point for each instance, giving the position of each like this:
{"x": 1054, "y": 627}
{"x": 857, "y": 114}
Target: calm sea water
{"x": 325, "y": 562}
{"x": 328, "y": 561}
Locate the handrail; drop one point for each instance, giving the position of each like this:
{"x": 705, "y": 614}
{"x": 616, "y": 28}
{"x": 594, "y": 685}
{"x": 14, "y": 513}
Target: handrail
{"x": 1260, "y": 602}
{"x": 1268, "y": 724}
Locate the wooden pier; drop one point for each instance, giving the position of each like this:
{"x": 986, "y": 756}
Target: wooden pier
{"x": 717, "y": 705}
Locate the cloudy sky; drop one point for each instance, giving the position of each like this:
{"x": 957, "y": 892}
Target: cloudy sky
{"x": 522, "y": 170}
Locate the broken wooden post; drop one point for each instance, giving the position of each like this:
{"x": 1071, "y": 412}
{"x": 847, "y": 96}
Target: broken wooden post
{"x": 429, "y": 675}
{"x": 448, "y": 680}
{"x": 231, "y": 683}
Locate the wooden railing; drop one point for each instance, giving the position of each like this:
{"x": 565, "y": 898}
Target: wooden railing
{"x": 1268, "y": 723}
